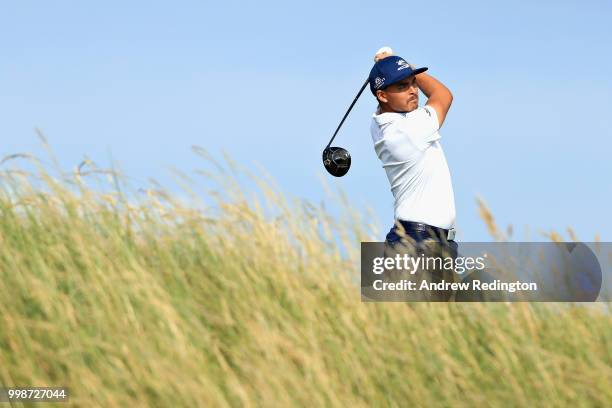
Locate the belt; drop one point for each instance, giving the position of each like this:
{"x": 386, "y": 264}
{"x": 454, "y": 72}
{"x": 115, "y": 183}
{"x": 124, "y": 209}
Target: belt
{"x": 447, "y": 234}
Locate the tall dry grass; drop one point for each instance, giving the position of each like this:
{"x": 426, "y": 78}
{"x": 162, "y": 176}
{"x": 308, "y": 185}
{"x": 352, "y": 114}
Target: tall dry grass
{"x": 139, "y": 299}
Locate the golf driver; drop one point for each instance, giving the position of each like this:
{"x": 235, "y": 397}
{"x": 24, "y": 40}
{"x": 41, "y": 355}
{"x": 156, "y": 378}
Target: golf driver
{"x": 337, "y": 160}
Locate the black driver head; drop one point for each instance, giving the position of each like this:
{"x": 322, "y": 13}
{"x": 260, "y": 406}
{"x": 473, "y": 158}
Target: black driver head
{"x": 337, "y": 161}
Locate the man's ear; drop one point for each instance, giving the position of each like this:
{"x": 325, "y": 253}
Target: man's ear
{"x": 381, "y": 96}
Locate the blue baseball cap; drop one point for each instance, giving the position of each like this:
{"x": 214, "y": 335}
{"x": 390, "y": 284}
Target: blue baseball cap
{"x": 390, "y": 70}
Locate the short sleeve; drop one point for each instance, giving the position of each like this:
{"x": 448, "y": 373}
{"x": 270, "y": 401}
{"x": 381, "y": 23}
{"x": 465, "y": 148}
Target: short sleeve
{"x": 421, "y": 126}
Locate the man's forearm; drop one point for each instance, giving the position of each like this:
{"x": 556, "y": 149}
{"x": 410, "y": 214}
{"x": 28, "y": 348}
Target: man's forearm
{"x": 428, "y": 84}
{"x": 438, "y": 96}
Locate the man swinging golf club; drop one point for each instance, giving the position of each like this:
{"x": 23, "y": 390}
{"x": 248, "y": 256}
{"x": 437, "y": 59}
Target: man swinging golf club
{"x": 407, "y": 141}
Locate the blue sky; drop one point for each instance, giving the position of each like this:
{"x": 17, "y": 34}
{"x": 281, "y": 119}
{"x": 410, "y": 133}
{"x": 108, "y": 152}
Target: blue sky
{"x": 141, "y": 82}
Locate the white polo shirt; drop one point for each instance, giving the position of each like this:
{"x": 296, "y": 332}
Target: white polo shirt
{"x": 408, "y": 146}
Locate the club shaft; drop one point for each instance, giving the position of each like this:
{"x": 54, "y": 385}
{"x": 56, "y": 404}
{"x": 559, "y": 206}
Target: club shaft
{"x": 347, "y": 112}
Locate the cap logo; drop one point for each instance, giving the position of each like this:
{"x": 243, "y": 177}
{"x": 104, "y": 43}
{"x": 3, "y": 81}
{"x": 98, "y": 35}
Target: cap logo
{"x": 378, "y": 82}
{"x": 402, "y": 64}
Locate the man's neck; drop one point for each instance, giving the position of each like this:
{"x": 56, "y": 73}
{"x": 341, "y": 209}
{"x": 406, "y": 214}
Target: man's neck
{"x": 384, "y": 109}
{"x": 381, "y": 109}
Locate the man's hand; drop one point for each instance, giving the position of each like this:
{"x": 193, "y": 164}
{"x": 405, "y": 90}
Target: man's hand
{"x": 383, "y": 53}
